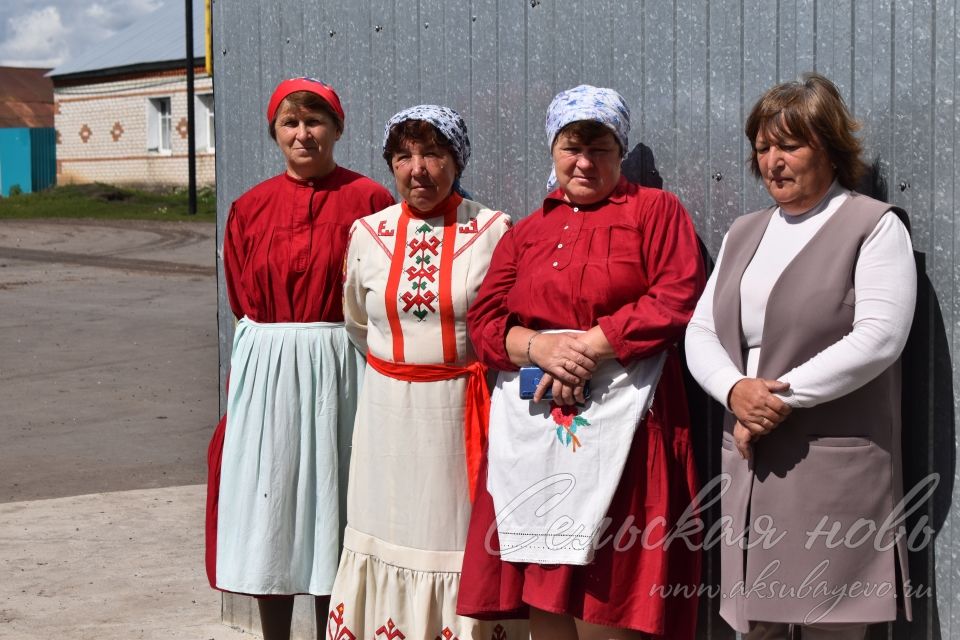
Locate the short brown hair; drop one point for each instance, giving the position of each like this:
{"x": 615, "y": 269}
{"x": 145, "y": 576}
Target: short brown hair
{"x": 305, "y": 100}
{"x": 811, "y": 110}
{"x": 586, "y": 132}
{"x": 419, "y": 131}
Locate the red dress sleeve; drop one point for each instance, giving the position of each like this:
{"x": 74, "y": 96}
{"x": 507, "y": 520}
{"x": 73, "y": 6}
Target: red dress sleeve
{"x": 489, "y": 319}
{"x": 674, "y": 269}
{"x": 234, "y": 257}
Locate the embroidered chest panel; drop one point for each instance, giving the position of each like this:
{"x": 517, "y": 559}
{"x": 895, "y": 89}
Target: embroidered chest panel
{"x": 419, "y": 294}
{"x": 421, "y": 272}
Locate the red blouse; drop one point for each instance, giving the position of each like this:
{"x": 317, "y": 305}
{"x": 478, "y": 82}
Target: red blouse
{"x": 284, "y": 244}
{"x": 630, "y": 263}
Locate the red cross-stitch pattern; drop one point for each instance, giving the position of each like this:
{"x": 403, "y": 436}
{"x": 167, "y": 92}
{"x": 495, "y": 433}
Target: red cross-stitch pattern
{"x": 499, "y": 633}
{"x": 424, "y": 245}
{"x": 390, "y": 631}
{"x": 340, "y": 632}
{"x": 447, "y": 634}
{"x": 424, "y": 300}
{"x": 423, "y": 249}
{"x": 428, "y": 273}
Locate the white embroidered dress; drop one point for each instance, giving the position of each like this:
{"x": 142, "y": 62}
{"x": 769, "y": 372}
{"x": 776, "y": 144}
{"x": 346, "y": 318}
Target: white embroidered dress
{"x": 409, "y": 282}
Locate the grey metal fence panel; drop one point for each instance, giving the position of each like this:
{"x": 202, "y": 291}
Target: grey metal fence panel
{"x": 356, "y": 64}
{"x": 540, "y": 69}
{"x": 691, "y": 180}
{"x": 760, "y": 72}
{"x": 690, "y": 70}
{"x": 657, "y": 97}
{"x": 511, "y": 101}
{"x": 483, "y": 175}
{"x": 433, "y": 31}
{"x": 725, "y": 107}
{"x": 383, "y": 54}
{"x": 834, "y": 42}
{"x": 292, "y": 45}
{"x": 596, "y": 45}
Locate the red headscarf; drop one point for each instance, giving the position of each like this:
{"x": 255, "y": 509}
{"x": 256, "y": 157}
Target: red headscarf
{"x": 312, "y": 85}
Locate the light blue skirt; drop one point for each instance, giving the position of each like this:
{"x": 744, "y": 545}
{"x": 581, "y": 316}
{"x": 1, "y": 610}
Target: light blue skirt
{"x": 290, "y": 410}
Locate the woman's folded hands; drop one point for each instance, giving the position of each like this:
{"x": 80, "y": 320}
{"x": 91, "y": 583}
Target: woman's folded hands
{"x": 568, "y": 361}
{"x": 757, "y": 409}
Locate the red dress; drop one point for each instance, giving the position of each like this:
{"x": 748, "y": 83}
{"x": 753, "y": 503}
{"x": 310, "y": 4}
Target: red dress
{"x": 283, "y": 252}
{"x": 630, "y": 263}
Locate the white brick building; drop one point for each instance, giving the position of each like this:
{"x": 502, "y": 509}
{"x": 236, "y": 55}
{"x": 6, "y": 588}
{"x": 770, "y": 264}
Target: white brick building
{"x": 121, "y": 110}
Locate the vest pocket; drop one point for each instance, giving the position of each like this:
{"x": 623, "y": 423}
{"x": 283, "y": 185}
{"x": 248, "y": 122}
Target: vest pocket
{"x": 839, "y": 441}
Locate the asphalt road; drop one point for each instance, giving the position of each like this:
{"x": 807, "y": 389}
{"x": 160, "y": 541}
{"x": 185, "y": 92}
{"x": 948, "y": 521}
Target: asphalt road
{"x": 108, "y": 397}
{"x": 108, "y": 356}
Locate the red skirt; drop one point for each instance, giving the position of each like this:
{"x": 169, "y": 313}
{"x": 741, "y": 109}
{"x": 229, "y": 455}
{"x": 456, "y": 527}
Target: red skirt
{"x": 632, "y": 583}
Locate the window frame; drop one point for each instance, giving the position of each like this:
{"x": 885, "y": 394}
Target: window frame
{"x": 160, "y": 125}
{"x": 203, "y": 110}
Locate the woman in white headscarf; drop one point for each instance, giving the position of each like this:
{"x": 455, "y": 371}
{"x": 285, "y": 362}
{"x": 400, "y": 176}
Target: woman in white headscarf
{"x": 614, "y": 270}
{"x": 412, "y": 271}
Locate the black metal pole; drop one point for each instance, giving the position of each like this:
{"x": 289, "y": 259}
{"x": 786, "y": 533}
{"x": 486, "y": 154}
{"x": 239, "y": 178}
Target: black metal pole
{"x": 191, "y": 128}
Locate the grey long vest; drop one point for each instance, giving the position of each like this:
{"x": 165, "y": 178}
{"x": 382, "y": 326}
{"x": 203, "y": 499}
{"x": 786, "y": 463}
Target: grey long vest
{"x": 833, "y": 466}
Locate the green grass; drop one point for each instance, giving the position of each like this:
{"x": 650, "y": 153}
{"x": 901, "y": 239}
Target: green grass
{"x": 108, "y": 202}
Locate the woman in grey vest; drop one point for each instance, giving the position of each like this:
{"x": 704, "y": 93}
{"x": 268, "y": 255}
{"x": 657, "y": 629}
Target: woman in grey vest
{"x": 799, "y": 334}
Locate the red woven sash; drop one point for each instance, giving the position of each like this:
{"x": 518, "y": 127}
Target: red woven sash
{"x": 476, "y": 415}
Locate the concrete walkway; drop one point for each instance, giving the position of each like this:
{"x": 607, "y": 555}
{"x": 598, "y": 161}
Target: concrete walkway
{"x": 127, "y": 564}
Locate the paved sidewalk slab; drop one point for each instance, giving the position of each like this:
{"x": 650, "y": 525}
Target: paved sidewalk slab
{"x": 122, "y": 565}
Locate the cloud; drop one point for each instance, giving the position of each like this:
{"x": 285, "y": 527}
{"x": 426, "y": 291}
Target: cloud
{"x": 49, "y": 32}
{"x": 113, "y": 15}
{"x": 37, "y": 38}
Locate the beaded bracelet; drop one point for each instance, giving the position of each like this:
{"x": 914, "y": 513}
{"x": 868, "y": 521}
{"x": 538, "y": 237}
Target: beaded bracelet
{"x": 530, "y": 344}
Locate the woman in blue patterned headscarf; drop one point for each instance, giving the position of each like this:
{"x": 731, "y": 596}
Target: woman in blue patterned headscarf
{"x": 596, "y": 287}
{"x": 412, "y": 271}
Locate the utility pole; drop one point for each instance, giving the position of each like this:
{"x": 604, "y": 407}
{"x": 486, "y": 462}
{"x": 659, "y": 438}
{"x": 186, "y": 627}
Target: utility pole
{"x": 191, "y": 125}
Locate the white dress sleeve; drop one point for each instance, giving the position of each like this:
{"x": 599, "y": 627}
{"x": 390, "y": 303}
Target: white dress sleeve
{"x": 707, "y": 360}
{"x": 886, "y": 291}
{"x": 354, "y": 293}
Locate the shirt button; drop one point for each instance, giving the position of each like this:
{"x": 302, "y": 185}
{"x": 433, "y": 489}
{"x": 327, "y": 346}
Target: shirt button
{"x": 566, "y": 226}
{"x": 556, "y": 263}
{"x": 576, "y": 209}
{"x": 560, "y": 246}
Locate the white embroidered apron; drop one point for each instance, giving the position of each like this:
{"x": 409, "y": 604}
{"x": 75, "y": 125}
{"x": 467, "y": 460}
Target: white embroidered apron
{"x": 553, "y": 470}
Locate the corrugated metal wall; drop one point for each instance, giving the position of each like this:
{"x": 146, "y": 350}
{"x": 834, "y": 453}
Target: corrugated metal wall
{"x": 690, "y": 70}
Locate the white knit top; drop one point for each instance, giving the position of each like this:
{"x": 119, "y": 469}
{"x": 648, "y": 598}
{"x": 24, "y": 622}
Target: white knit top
{"x": 886, "y": 289}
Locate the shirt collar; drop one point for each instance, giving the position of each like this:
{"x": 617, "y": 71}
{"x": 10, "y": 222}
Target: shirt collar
{"x": 315, "y": 183}
{"x": 617, "y": 196}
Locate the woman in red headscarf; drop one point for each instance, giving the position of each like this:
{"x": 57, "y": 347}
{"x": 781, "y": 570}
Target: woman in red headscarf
{"x": 279, "y": 457}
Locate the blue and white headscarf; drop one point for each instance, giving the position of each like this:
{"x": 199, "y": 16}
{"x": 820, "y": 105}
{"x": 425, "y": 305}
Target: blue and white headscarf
{"x": 586, "y": 102}
{"x": 445, "y": 119}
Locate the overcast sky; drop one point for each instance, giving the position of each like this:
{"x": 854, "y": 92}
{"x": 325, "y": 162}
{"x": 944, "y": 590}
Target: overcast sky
{"x": 45, "y": 33}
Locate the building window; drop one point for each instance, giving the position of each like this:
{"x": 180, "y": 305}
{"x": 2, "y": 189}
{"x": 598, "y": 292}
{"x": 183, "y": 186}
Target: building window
{"x": 159, "y": 118}
{"x": 203, "y": 112}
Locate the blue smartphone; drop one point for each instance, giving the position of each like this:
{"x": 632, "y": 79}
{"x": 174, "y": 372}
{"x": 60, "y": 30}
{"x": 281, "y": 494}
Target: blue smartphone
{"x": 530, "y": 380}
